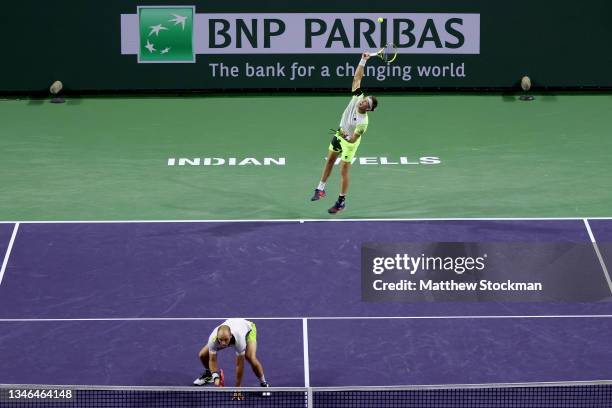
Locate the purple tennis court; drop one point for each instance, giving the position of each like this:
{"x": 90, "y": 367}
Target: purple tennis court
{"x": 372, "y": 205}
{"x": 132, "y": 303}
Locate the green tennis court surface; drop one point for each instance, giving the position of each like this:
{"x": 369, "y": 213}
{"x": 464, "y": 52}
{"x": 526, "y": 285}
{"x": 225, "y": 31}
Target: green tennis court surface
{"x": 107, "y": 158}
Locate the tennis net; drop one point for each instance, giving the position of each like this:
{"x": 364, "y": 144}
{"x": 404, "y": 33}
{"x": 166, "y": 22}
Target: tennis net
{"x": 525, "y": 395}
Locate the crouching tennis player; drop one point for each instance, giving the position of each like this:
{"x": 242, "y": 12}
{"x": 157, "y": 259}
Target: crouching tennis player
{"x": 346, "y": 140}
{"x": 240, "y": 334}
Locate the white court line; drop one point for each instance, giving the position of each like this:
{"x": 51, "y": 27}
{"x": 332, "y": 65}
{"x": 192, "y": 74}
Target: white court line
{"x": 305, "y": 220}
{"x": 306, "y": 359}
{"x": 8, "y": 252}
{"x": 596, "y": 247}
{"x": 222, "y": 318}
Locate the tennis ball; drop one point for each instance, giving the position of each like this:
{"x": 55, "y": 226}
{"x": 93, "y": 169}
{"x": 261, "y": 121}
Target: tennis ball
{"x": 525, "y": 83}
{"x": 56, "y": 87}
{"x": 380, "y": 19}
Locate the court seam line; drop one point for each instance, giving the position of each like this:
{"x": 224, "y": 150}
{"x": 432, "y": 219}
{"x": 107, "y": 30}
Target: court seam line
{"x": 306, "y": 358}
{"x": 9, "y": 248}
{"x": 598, "y": 253}
{"x": 473, "y": 317}
{"x": 305, "y": 220}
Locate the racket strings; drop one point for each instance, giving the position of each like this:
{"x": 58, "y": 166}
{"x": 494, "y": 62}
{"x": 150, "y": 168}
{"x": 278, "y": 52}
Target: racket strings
{"x": 389, "y": 52}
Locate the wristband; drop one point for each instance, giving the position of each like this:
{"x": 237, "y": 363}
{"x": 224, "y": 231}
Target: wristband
{"x": 362, "y": 62}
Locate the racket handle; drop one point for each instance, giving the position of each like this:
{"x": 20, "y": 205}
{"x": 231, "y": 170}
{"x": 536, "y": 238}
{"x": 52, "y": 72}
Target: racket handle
{"x": 373, "y": 54}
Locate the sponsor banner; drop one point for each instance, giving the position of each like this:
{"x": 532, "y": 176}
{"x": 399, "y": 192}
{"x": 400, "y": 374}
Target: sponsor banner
{"x": 477, "y": 271}
{"x": 177, "y": 34}
{"x": 299, "y": 47}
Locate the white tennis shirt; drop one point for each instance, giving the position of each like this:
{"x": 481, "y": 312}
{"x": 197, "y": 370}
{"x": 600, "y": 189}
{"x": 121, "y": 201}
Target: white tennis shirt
{"x": 352, "y": 119}
{"x": 239, "y": 328}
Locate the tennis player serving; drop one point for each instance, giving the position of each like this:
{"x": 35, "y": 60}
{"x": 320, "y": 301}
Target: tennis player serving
{"x": 240, "y": 334}
{"x": 346, "y": 140}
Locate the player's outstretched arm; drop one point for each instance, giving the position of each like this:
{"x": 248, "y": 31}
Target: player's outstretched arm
{"x": 212, "y": 366}
{"x": 359, "y": 71}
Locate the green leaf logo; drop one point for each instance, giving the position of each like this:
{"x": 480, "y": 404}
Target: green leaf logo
{"x": 166, "y": 34}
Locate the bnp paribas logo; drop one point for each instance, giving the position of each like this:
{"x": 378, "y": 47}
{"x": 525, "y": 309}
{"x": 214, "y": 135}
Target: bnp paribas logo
{"x": 166, "y": 34}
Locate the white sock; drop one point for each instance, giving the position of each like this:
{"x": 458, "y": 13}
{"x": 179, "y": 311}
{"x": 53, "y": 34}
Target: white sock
{"x": 262, "y": 379}
{"x": 321, "y": 186}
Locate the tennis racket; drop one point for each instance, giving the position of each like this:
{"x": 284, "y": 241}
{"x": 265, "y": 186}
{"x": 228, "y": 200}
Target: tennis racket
{"x": 388, "y": 53}
{"x": 221, "y": 378}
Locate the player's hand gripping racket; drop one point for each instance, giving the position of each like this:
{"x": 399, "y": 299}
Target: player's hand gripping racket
{"x": 220, "y": 381}
{"x": 388, "y": 53}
